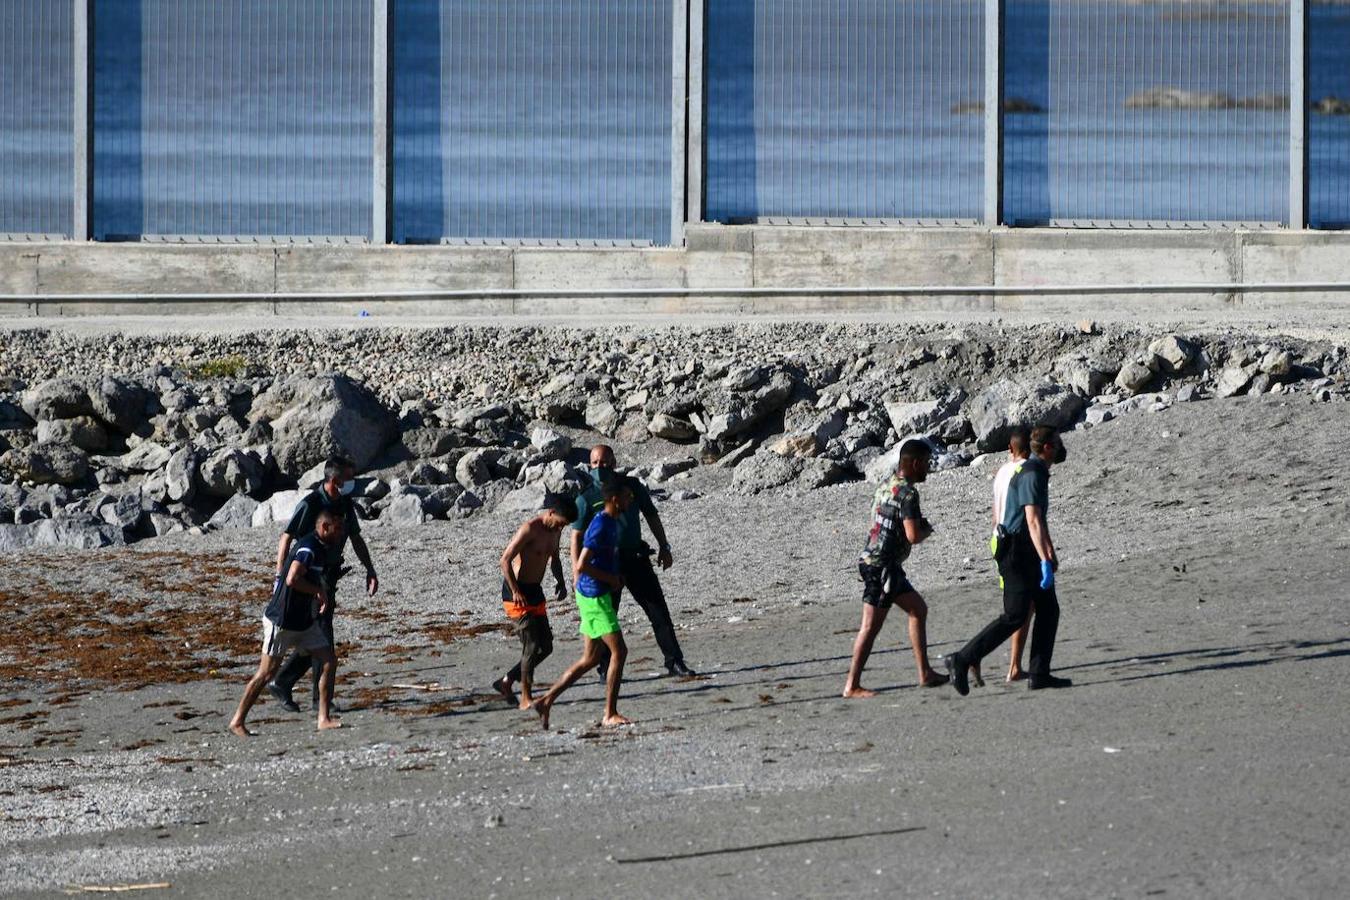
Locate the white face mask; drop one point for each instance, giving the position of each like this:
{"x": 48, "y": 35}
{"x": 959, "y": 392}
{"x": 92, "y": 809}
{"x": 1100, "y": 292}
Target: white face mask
{"x": 346, "y": 487}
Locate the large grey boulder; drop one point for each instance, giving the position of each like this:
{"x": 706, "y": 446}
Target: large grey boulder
{"x": 405, "y": 509}
{"x": 1277, "y": 364}
{"x": 277, "y": 508}
{"x": 15, "y": 537}
{"x": 999, "y": 408}
{"x": 427, "y": 442}
{"x": 602, "y": 416}
{"x": 58, "y": 398}
{"x": 741, "y": 412}
{"x": 148, "y": 456}
{"x": 124, "y": 405}
{"x": 1133, "y": 377}
{"x": 52, "y": 463}
{"x": 81, "y": 533}
{"x": 1173, "y": 354}
{"x": 921, "y": 416}
{"x": 231, "y": 471}
{"x": 766, "y": 470}
{"x": 475, "y": 468}
{"x": 126, "y": 513}
{"x": 84, "y": 432}
{"x": 1233, "y": 380}
{"x": 237, "y": 512}
{"x": 180, "y": 475}
{"x": 555, "y": 475}
{"x": 331, "y": 414}
{"x": 549, "y": 444}
{"x": 672, "y": 428}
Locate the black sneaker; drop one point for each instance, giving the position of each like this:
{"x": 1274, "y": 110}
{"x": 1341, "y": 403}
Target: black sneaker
{"x": 679, "y": 668}
{"x": 283, "y": 697}
{"x": 958, "y": 673}
{"x": 1046, "y": 682}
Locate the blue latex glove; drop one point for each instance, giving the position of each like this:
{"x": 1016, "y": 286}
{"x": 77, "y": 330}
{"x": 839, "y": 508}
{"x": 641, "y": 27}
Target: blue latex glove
{"x": 1047, "y": 575}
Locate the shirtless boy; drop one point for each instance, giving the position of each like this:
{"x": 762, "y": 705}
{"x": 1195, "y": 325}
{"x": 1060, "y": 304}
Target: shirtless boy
{"x": 596, "y": 575}
{"x": 533, "y": 549}
{"x": 291, "y": 619}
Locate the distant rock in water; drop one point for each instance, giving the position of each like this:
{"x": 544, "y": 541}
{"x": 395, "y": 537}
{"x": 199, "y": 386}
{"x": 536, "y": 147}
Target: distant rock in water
{"x": 1011, "y": 105}
{"x": 1177, "y": 98}
{"x": 1332, "y": 106}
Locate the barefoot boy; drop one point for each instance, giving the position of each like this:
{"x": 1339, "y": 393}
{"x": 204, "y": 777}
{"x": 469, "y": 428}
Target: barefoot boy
{"x": 291, "y": 619}
{"x": 596, "y": 575}
{"x": 897, "y": 524}
{"x": 533, "y": 549}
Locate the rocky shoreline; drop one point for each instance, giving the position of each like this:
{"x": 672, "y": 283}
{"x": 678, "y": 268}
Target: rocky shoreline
{"x": 109, "y": 439}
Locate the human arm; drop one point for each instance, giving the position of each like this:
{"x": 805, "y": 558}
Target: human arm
{"x": 298, "y": 578}
{"x": 283, "y": 550}
{"x": 584, "y": 566}
{"x": 1039, "y": 531}
{"x": 555, "y": 563}
{"x": 917, "y": 530}
{"x": 363, "y": 554}
{"x": 578, "y": 536}
{"x": 508, "y": 557}
{"x": 648, "y": 508}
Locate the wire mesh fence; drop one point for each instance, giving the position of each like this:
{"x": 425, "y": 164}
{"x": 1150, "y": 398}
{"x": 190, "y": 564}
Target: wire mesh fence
{"x": 232, "y": 117}
{"x": 1329, "y": 118}
{"x": 37, "y": 180}
{"x": 533, "y": 120}
{"x": 852, "y": 109}
{"x": 1159, "y": 112}
{"x": 558, "y": 120}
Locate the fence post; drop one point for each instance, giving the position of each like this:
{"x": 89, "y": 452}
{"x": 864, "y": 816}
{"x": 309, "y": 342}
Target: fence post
{"x": 1298, "y": 114}
{"x": 382, "y": 201}
{"x": 83, "y": 61}
{"x": 993, "y": 112}
{"x": 693, "y": 204}
{"x": 679, "y": 110}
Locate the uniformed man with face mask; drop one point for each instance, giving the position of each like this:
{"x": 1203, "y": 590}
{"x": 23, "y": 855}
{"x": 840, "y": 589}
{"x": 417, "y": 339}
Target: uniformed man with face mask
{"x": 635, "y": 557}
{"x": 334, "y": 494}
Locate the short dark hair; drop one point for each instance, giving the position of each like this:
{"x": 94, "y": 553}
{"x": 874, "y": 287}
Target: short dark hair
{"x": 1042, "y": 435}
{"x": 331, "y": 515}
{"x": 1019, "y": 442}
{"x": 564, "y": 505}
{"x": 613, "y": 488}
{"x": 914, "y": 449}
{"x": 335, "y": 465}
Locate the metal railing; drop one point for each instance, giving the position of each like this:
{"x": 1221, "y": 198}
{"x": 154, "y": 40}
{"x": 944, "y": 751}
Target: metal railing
{"x": 619, "y": 121}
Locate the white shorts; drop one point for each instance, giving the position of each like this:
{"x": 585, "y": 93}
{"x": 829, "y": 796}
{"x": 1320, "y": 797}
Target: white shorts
{"x": 278, "y": 641}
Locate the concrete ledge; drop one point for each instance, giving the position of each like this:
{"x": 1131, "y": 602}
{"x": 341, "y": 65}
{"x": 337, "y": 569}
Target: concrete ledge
{"x": 888, "y": 269}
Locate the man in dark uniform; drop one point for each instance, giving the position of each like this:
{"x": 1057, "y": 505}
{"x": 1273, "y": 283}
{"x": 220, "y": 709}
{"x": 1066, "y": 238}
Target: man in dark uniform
{"x": 1027, "y": 563}
{"x": 334, "y": 494}
{"x": 635, "y": 557}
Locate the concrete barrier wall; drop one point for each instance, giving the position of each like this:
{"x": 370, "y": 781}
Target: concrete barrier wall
{"x": 185, "y": 278}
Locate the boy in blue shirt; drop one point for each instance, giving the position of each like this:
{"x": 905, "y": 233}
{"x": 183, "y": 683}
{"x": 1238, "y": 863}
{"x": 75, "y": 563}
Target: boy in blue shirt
{"x": 596, "y": 576}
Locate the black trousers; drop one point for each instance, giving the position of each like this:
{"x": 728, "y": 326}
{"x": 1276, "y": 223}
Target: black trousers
{"x": 1021, "y": 589}
{"x": 639, "y": 579}
{"x": 301, "y": 662}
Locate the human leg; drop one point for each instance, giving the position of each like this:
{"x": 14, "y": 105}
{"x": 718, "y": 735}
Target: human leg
{"x": 618, "y": 653}
{"x": 589, "y": 652}
{"x": 1043, "y": 632}
{"x": 642, "y": 582}
{"x": 325, "y": 661}
{"x": 537, "y": 645}
{"x": 917, "y": 610}
{"x": 1017, "y": 585}
{"x": 267, "y": 666}
{"x": 873, "y": 618}
{"x": 1019, "y": 644}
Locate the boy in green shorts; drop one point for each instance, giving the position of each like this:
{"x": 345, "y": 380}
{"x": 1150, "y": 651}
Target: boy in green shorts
{"x": 596, "y": 576}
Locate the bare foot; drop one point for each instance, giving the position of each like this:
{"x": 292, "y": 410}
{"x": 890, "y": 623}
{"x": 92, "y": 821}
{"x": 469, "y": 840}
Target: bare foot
{"x": 542, "y": 707}
{"x": 615, "y": 720}
{"x": 1016, "y": 675}
{"x": 934, "y": 679}
{"x": 858, "y": 693}
{"x": 503, "y": 687}
{"x": 239, "y": 729}
{"x": 526, "y": 702}
{"x": 325, "y": 724}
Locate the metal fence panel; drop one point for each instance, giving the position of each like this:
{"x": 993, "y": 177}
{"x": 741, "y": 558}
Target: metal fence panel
{"x": 849, "y": 109}
{"x": 232, "y": 118}
{"x": 1159, "y": 112}
{"x": 533, "y": 120}
{"x": 1329, "y": 119}
{"x": 37, "y": 181}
